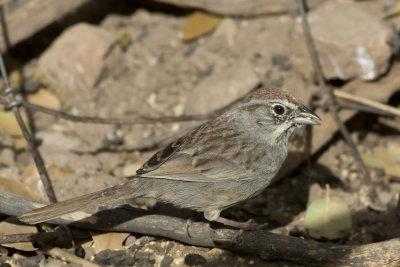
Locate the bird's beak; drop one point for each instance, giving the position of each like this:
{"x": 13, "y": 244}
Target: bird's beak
{"x": 306, "y": 116}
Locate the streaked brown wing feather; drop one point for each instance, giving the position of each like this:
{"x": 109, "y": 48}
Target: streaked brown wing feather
{"x": 161, "y": 157}
{"x": 180, "y": 161}
{"x": 184, "y": 167}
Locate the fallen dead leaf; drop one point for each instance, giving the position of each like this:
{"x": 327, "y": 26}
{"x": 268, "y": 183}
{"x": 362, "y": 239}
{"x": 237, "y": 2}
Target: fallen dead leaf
{"x": 9, "y": 124}
{"x": 31, "y": 179}
{"x": 199, "y": 24}
{"x": 19, "y": 188}
{"x": 387, "y": 158}
{"x": 45, "y": 99}
{"x": 13, "y": 226}
{"x": 112, "y": 241}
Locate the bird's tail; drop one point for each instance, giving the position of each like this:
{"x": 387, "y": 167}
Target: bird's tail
{"x": 58, "y": 209}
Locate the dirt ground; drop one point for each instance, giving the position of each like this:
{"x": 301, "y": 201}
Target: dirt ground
{"x": 136, "y": 64}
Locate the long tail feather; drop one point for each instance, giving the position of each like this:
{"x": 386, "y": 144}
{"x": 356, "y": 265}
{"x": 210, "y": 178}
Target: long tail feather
{"x": 80, "y": 203}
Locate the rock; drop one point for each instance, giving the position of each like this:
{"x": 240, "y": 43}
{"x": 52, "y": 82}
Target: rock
{"x": 19, "y": 260}
{"x": 7, "y": 156}
{"x": 227, "y": 32}
{"x": 114, "y": 258}
{"x": 350, "y": 41}
{"x": 166, "y": 261}
{"x": 129, "y": 241}
{"x": 220, "y": 89}
{"x": 78, "y": 60}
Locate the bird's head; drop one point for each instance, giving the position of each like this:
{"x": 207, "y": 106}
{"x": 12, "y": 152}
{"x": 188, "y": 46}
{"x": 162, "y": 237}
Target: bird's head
{"x": 275, "y": 114}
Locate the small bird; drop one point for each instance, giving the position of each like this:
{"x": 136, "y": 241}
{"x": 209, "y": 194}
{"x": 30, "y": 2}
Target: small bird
{"x": 224, "y": 161}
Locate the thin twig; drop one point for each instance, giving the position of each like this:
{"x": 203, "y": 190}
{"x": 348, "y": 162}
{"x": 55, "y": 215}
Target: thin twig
{"x": 45, "y": 237}
{"x": 13, "y": 103}
{"x": 139, "y": 120}
{"x": 386, "y": 109}
{"x": 30, "y": 237}
{"x": 367, "y": 190}
{"x": 360, "y": 107}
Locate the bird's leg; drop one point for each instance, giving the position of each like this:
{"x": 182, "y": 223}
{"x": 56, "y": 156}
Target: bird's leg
{"x": 249, "y": 225}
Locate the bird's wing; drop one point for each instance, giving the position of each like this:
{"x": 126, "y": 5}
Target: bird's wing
{"x": 161, "y": 156}
{"x": 184, "y": 168}
{"x": 176, "y": 163}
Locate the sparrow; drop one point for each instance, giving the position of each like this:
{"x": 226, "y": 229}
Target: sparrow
{"x": 222, "y": 162}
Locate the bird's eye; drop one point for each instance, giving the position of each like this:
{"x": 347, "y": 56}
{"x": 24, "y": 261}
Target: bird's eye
{"x": 279, "y": 109}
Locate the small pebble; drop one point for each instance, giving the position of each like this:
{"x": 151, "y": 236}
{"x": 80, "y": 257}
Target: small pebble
{"x": 344, "y": 173}
{"x": 80, "y": 252}
{"x": 130, "y": 241}
{"x": 194, "y": 259}
{"x": 166, "y": 261}
{"x": 143, "y": 240}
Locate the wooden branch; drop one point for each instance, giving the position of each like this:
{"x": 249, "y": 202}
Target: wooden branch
{"x": 58, "y": 237}
{"x": 272, "y": 246}
{"x": 264, "y": 244}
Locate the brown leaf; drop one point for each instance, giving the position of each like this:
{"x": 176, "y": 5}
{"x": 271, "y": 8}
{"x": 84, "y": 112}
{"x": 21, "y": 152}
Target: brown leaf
{"x": 45, "y": 99}
{"x": 19, "y": 188}
{"x": 12, "y": 226}
{"x": 112, "y": 241}
{"x": 9, "y": 124}
{"x": 199, "y": 24}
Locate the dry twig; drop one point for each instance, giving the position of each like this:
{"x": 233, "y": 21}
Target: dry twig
{"x": 14, "y": 103}
{"x": 385, "y": 109}
{"x": 138, "y": 120}
{"x": 59, "y": 236}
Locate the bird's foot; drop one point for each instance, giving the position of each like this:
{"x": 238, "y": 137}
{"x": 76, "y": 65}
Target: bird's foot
{"x": 189, "y": 222}
{"x": 194, "y": 216}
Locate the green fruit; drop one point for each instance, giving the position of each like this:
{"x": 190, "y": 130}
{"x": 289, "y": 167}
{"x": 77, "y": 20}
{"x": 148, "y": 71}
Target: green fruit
{"x": 328, "y": 218}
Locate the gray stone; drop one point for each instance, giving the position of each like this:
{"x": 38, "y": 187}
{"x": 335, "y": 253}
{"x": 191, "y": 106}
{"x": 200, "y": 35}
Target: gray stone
{"x": 350, "y": 41}
{"x": 78, "y": 60}
{"x": 221, "y": 88}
